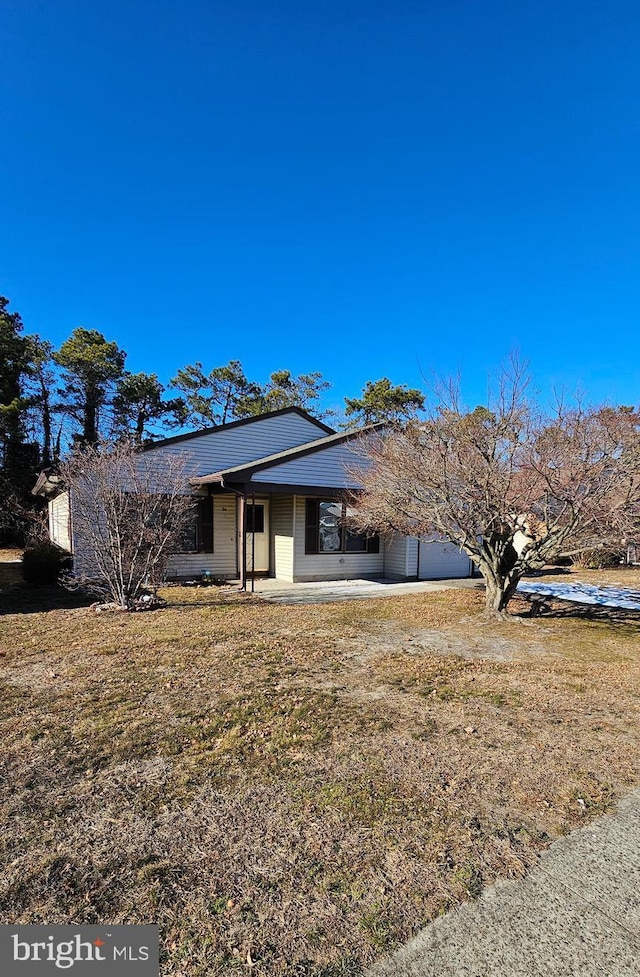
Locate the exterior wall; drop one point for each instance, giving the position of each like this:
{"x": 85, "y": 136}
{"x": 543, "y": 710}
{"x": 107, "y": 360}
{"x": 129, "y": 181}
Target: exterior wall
{"x": 407, "y": 557}
{"x": 330, "y": 566}
{"x": 328, "y": 468}
{"x": 83, "y": 565}
{"x": 224, "y": 448}
{"x": 395, "y": 557}
{"x": 413, "y": 550}
{"x": 282, "y": 532}
{"x": 222, "y": 562}
{"x": 59, "y": 521}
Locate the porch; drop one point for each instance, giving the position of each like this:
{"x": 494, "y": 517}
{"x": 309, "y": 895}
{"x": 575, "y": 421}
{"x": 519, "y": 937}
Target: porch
{"x": 247, "y": 535}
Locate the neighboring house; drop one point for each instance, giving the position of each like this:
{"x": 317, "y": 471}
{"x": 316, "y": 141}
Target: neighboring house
{"x": 270, "y": 493}
{"x": 48, "y": 485}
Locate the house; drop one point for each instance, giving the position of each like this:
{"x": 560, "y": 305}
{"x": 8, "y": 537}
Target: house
{"x": 270, "y": 496}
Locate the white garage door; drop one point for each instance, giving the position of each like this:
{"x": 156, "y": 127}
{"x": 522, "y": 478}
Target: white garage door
{"x": 440, "y": 560}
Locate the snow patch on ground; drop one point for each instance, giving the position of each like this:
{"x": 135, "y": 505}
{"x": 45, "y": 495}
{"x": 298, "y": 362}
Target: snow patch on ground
{"x": 584, "y": 593}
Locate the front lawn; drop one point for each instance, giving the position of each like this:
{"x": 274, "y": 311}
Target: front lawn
{"x": 291, "y": 790}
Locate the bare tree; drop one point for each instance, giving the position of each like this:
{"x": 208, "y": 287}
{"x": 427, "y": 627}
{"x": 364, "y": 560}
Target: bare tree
{"x": 513, "y": 488}
{"x": 129, "y": 513}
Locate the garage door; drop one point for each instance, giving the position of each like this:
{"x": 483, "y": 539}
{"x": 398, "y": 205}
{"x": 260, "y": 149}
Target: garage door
{"x": 440, "y": 560}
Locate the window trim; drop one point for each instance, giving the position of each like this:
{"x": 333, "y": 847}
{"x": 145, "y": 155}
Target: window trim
{"x": 312, "y": 532}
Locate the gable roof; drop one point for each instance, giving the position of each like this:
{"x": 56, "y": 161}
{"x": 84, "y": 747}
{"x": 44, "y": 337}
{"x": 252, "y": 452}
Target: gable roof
{"x": 240, "y": 473}
{"x": 241, "y": 423}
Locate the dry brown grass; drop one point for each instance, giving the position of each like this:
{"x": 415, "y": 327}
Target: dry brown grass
{"x": 304, "y": 784}
{"x": 10, "y": 553}
{"x": 10, "y": 569}
{"x": 622, "y": 576}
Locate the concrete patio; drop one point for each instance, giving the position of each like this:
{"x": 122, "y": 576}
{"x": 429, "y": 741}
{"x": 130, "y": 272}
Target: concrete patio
{"x": 325, "y": 591}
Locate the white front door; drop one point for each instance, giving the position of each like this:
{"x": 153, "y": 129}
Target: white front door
{"x": 257, "y": 533}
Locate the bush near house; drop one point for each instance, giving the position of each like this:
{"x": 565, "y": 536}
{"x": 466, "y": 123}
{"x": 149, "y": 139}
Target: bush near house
{"x": 605, "y": 558}
{"x": 42, "y": 563}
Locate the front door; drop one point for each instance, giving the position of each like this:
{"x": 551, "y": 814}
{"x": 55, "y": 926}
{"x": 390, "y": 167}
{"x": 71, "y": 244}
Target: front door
{"x": 257, "y": 532}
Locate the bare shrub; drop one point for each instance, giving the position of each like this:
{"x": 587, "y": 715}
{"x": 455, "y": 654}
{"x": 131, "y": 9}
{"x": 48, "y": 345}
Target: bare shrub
{"x": 42, "y": 563}
{"x": 129, "y": 511}
{"x": 600, "y": 559}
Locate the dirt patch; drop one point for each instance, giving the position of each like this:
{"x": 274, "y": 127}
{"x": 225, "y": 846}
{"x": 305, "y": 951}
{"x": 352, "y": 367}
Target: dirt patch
{"x": 480, "y": 644}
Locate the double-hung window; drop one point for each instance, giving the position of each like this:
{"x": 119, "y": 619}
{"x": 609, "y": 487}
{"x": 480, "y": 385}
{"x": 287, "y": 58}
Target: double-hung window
{"x": 198, "y": 534}
{"x": 327, "y": 530}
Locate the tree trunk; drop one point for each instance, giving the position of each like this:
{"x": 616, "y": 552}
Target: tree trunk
{"x": 140, "y": 422}
{"x": 499, "y": 591}
{"x": 46, "y": 425}
{"x": 90, "y": 427}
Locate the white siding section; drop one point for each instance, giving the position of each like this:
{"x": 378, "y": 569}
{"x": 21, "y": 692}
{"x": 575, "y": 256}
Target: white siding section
{"x": 395, "y": 557}
{"x": 401, "y": 557}
{"x": 224, "y": 448}
{"x": 412, "y": 556}
{"x": 326, "y": 468}
{"x": 222, "y": 562}
{"x": 331, "y": 566}
{"x": 59, "y": 528}
{"x": 441, "y": 559}
{"x": 282, "y": 536}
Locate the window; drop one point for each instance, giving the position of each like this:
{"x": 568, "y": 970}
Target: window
{"x": 254, "y": 518}
{"x": 198, "y": 535}
{"x": 326, "y": 530}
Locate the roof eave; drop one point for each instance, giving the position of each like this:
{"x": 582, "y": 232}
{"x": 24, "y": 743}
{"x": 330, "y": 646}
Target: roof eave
{"x": 47, "y": 484}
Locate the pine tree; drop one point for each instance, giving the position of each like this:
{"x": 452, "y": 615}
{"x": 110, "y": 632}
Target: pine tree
{"x": 90, "y": 365}
{"x": 381, "y": 401}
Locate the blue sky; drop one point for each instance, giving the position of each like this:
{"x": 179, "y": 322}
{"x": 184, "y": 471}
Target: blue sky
{"x": 364, "y": 189}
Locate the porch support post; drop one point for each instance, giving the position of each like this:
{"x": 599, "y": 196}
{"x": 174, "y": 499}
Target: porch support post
{"x": 253, "y": 543}
{"x": 243, "y": 541}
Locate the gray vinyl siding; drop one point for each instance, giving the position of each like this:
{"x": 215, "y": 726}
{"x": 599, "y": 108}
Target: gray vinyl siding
{"x": 326, "y": 468}
{"x": 83, "y": 562}
{"x": 223, "y": 448}
{"x": 222, "y": 562}
{"x": 330, "y": 566}
{"x": 282, "y": 536}
{"x": 59, "y": 521}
